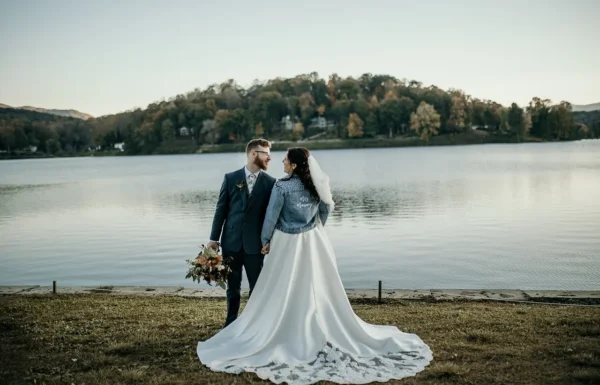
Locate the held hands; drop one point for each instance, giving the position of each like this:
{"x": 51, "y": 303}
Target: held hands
{"x": 266, "y": 248}
{"x": 213, "y": 245}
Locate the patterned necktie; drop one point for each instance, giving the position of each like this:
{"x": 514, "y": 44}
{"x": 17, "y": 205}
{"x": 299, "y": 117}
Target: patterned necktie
{"x": 251, "y": 180}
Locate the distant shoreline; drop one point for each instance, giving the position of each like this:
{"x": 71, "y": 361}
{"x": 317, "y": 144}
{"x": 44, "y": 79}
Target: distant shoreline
{"x": 180, "y": 147}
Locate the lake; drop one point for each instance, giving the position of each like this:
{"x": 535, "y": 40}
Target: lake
{"x": 522, "y": 216}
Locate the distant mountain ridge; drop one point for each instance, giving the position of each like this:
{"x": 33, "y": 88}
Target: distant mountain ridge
{"x": 587, "y": 107}
{"x": 66, "y": 113}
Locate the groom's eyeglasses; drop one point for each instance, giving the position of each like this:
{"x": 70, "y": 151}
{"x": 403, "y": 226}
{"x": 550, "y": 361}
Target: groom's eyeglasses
{"x": 264, "y": 152}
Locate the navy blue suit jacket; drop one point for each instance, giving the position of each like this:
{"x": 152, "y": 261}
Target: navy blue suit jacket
{"x": 239, "y": 215}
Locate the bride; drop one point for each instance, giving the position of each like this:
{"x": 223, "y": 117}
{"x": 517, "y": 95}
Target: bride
{"x": 298, "y": 326}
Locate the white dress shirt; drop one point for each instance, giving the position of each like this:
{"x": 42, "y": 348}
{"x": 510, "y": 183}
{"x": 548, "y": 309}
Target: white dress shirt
{"x": 248, "y": 173}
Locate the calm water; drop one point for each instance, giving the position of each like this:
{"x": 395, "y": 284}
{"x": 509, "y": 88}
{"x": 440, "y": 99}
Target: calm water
{"x": 489, "y": 216}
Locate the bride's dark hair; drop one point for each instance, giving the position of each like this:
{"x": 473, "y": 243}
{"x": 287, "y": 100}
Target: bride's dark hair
{"x": 299, "y": 157}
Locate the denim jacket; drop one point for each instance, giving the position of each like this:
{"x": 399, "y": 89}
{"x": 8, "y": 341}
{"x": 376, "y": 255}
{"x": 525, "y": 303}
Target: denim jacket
{"x": 292, "y": 209}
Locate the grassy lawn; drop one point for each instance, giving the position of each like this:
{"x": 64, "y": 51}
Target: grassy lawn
{"x": 105, "y": 339}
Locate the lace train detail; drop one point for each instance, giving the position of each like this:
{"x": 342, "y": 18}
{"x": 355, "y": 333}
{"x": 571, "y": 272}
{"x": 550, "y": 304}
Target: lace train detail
{"x": 340, "y": 367}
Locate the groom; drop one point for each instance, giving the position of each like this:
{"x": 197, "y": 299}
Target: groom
{"x": 239, "y": 217}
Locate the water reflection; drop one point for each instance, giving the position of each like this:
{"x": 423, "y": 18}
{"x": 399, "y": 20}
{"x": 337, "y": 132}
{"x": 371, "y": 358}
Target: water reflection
{"x": 471, "y": 217}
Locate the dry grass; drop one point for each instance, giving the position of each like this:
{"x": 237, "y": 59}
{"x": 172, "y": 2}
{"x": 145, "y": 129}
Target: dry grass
{"x": 104, "y": 339}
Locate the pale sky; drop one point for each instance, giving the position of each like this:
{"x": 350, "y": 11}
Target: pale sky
{"x": 102, "y": 57}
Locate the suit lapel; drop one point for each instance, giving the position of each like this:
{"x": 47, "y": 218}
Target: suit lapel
{"x": 241, "y": 180}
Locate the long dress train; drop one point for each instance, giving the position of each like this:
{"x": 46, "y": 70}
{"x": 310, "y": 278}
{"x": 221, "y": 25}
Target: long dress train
{"x": 298, "y": 326}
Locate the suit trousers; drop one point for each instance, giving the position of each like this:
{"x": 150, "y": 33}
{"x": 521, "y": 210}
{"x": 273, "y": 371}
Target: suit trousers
{"x": 253, "y": 264}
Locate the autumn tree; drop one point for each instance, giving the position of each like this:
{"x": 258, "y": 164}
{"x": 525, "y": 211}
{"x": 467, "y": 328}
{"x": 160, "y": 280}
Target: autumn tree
{"x": 355, "y": 126}
{"x": 307, "y": 107}
{"x": 211, "y": 107}
{"x": 425, "y": 121}
{"x": 258, "y": 130}
{"x": 458, "y": 119}
{"x": 493, "y": 115}
{"x": 583, "y": 131}
{"x": 561, "y": 122}
{"x": 374, "y": 102}
{"x": 298, "y": 131}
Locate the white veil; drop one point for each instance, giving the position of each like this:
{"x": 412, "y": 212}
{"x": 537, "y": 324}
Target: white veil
{"x": 321, "y": 181}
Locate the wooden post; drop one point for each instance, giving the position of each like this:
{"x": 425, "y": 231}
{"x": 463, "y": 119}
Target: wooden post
{"x": 379, "y": 293}
{"x": 54, "y": 287}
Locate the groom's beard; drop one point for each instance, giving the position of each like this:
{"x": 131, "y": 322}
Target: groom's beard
{"x": 261, "y": 164}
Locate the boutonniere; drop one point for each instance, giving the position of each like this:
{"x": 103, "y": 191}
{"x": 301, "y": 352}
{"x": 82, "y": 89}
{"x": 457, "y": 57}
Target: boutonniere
{"x": 240, "y": 185}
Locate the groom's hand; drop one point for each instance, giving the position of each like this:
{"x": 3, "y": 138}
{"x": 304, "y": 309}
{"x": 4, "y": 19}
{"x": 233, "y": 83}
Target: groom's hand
{"x": 266, "y": 248}
{"x": 213, "y": 245}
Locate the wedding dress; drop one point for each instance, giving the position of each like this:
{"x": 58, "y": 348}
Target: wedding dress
{"x": 298, "y": 327}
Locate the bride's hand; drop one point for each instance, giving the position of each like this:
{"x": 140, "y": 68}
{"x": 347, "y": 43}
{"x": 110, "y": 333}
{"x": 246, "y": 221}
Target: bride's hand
{"x": 266, "y": 248}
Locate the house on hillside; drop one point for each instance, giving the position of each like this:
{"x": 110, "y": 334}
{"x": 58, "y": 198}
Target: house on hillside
{"x": 93, "y": 148}
{"x": 320, "y": 123}
{"x": 287, "y": 123}
{"x": 120, "y": 146}
{"x": 184, "y": 131}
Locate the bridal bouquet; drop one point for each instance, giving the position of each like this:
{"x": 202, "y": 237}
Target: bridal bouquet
{"x": 210, "y": 267}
